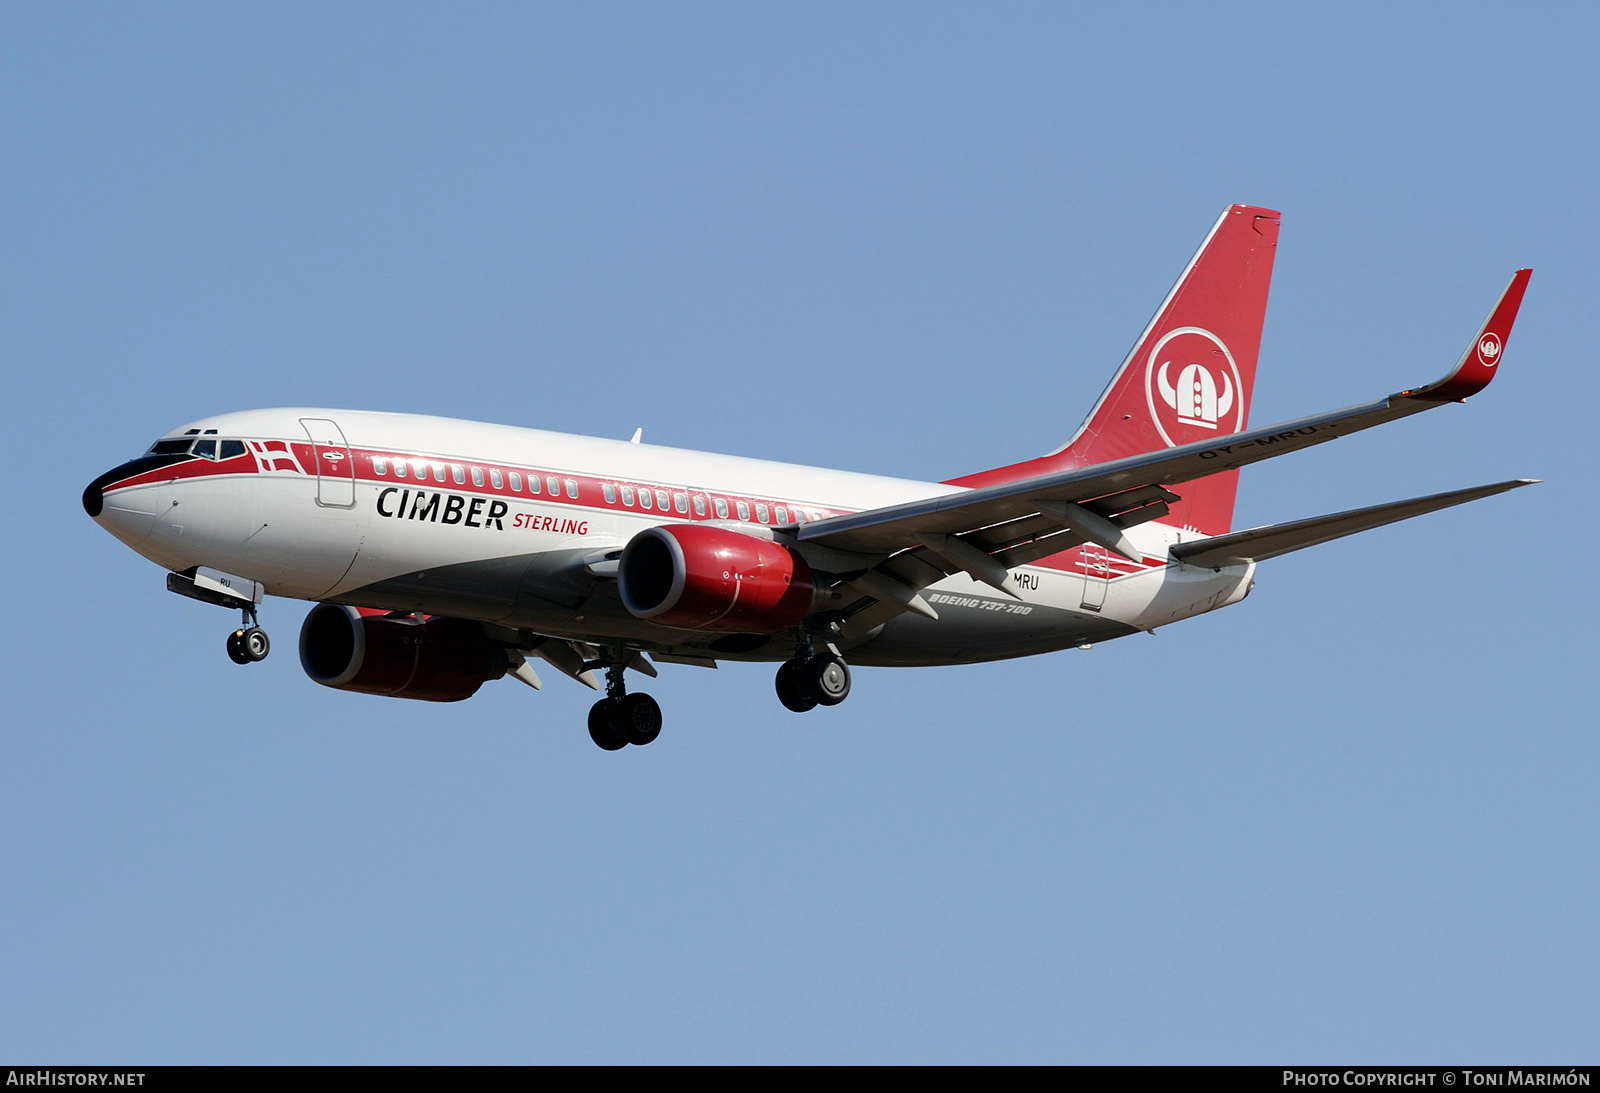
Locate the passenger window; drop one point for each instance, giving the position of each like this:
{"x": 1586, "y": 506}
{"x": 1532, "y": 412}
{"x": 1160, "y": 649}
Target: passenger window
{"x": 761, "y": 513}
{"x": 399, "y": 468}
{"x": 722, "y": 509}
{"x": 516, "y": 482}
{"x": 680, "y": 501}
{"x": 206, "y": 448}
{"x": 610, "y": 493}
{"x": 380, "y": 466}
{"x": 572, "y": 489}
{"x": 438, "y": 472}
{"x": 533, "y": 483}
{"x": 458, "y": 474}
{"x": 232, "y": 449}
{"x": 627, "y": 496}
{"x": 783, "y": 515}
{"x": 644, "y": 499}
{"x": 477, "y": 476}
{"x": 495, "y": 480}
{"x": 553, "y": 484}
{"x": 699, "y": 505}
{"x": 661, "y": 500}
{"x": 744, "y": 511}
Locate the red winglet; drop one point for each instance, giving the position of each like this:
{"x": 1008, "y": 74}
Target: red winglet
{"x": 1477, "y": 365}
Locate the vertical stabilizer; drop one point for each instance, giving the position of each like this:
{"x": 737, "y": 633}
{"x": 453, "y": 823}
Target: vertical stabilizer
{"x": 1190, "y": 374}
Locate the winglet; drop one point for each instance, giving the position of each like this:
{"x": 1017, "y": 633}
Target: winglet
{"x": 1477, "y": 365}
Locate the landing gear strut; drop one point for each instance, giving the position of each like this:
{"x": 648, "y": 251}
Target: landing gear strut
{"x": 620, "y": 718}
{"x": 249, "y": 643}
{"x": 812, "y": 679}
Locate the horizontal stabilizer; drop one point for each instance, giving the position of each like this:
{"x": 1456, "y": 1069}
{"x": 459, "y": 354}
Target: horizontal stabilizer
{"x": 1259, "y": 544}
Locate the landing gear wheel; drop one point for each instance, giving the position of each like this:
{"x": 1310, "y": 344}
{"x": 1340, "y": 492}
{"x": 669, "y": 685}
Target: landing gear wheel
{"x": 637, "y": 718}
{"x": 601, "y": 729}
{"x": 793, "y": 689}
{"x": 254, "y": 643}
{"x": 236, "y": 651}
{"x": 829, "y": 679}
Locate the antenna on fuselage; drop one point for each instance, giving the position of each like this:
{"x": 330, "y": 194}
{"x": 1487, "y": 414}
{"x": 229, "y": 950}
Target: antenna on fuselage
{"x": 637, "y": 433}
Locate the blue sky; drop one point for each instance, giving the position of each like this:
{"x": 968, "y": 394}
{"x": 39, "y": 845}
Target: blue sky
{"x": 1351, "y": 818}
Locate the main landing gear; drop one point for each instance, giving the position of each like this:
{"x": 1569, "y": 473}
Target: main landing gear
{"x": 249, "y": 643}
{"x": 620, "y": 718}
{"x": 813, "y": 679}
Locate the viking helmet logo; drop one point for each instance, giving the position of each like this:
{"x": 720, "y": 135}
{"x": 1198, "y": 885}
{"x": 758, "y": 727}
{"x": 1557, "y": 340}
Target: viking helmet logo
{"x": 1489, "y": 349}
{"x": 1192, "y": 382}
{"x": 1196, "y": 398}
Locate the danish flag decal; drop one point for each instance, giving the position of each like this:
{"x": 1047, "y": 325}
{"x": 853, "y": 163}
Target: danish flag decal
{"x": 274, "y": 455}
{"x": 1192, "y": 386}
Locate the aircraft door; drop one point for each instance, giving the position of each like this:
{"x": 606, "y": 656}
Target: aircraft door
{"x": 1096, "y": 572}
{"x": 336, "y": 470}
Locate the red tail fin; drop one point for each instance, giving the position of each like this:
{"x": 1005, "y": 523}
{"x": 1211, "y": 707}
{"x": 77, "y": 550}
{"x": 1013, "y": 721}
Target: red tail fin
{"x": 1189, "y": 376}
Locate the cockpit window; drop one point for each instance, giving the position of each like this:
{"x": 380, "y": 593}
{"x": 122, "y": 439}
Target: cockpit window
{"x": 231, "y": 449}
{"x": 206, "y": 449}
{"x": 171, "y": 447}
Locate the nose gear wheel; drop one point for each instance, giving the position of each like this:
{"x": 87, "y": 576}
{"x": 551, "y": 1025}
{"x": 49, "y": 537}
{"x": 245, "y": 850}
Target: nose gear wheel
{"x": 249, "y": 643}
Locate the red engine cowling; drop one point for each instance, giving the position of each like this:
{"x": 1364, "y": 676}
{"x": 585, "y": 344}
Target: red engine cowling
{"x": 440, "y": 660}
{"x": 708, "y": 578}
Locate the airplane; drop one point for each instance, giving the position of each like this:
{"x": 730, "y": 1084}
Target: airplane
{"x": 442, "y": 554}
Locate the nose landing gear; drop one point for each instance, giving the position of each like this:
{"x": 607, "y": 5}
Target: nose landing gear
{"x": 249, "y": 643}
{"x": 620, "y": 718}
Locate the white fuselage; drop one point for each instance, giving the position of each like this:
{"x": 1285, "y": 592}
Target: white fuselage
{"x": 441, "y": 516}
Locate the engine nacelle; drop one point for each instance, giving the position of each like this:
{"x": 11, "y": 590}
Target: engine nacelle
{"x": 697, "y": 577}
{"x": 440, "y": 660}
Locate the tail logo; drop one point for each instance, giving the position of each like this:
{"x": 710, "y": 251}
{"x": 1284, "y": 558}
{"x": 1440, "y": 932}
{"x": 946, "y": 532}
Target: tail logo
{"x": 1489, "y": 349}
{"x": 1206, "y": 393}
{"x": 1195, "y": 398}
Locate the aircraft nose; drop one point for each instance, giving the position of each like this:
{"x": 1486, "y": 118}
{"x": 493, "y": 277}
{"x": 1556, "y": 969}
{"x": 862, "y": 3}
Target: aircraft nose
{"x": 94, "y": 494}
{"x": 94, "y": 498}
{"x": 130, "y": 510}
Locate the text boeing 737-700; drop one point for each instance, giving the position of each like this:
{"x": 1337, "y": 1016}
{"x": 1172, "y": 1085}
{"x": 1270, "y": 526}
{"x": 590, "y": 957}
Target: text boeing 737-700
{"x": 442, "y": 554}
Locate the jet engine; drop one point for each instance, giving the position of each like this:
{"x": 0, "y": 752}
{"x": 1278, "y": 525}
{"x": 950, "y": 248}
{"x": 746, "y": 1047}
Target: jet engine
{"x": 438, "y": 660}
{"x": 709, "y": 578}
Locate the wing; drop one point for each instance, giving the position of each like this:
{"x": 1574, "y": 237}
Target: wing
{"x": 986, "y": 531}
